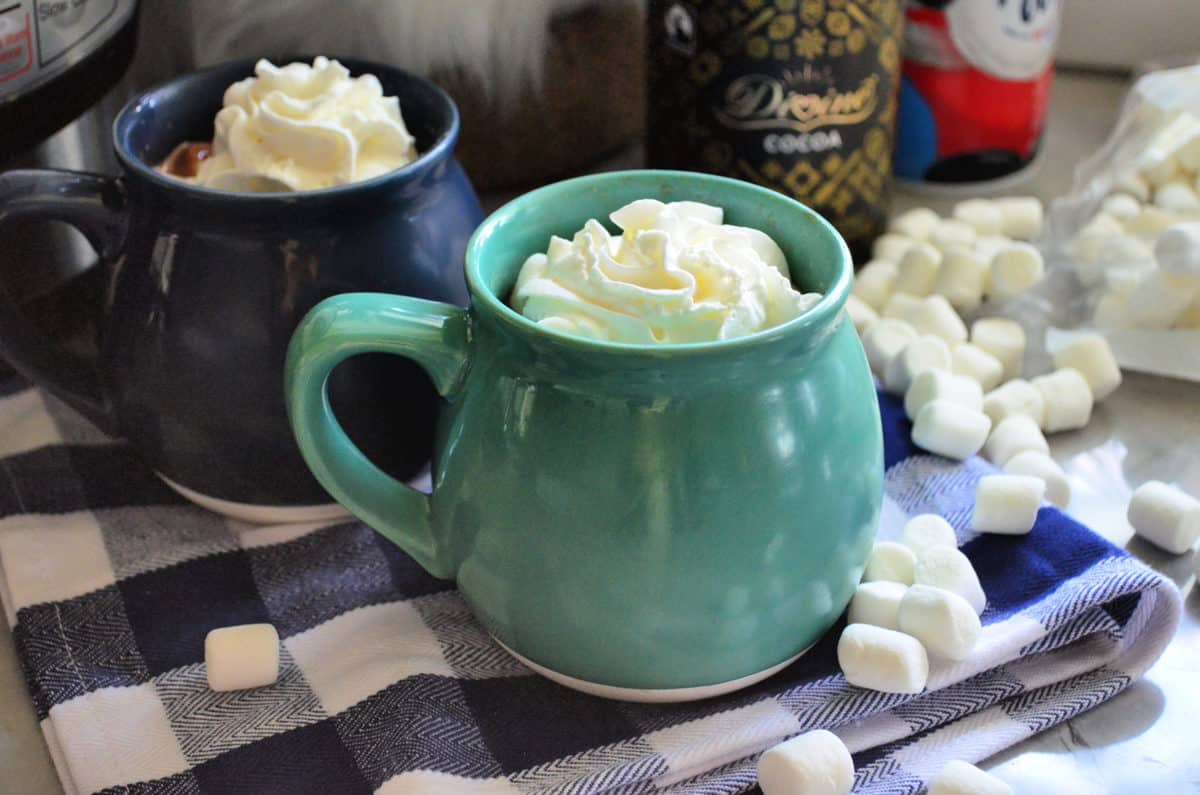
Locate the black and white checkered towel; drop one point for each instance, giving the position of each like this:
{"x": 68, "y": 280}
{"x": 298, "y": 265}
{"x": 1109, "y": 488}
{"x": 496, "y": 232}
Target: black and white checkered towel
{"x": 111, "y": 583}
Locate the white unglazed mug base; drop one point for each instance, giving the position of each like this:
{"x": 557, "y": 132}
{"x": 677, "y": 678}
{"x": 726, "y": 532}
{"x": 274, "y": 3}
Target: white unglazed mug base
{"x": 259, "y": 514}
{"x": 654, "y": 696}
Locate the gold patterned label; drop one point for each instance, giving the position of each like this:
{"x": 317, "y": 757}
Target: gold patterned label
{"x": 797, "y": 95}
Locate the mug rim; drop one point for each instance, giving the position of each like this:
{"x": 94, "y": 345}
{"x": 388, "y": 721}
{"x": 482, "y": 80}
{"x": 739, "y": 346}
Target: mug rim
{"x": 441, "y": 149}
{"x": 816, "y": 317}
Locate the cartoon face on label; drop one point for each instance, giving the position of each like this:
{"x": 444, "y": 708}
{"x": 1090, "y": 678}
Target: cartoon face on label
{"x": 1009, "y": 39}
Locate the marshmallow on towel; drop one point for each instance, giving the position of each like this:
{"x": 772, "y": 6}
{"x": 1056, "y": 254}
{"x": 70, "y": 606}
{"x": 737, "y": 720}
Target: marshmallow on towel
{"x": 934, "y": 315}
{"x": 1093, "y": 358}
{"x": 927, "y": 530}
{"x": 1067, "y": 400}
{"x": 941, "y": 385}
{"x": 874, "y": 283}
{"x": 918, "y": 270}
{"x": 1014, "y": 270}
{"x": 948, "y": 568}
{"x": 1017, "y": 396}
{"x": 950, "y": 429}
{"x": 982, "y": 215}
{"x": 890, "y": 562}
{"x": 1012, "y": 435}
{"x": 963, "y": 778}
{"x": 241, "y": 657}
{"x": 884, "y": 340}
{"x": 1004, "y": 339}
{"x": 1020, "y": 216}
{"x": 1040, "y": 465}
{"x": 1165, "y": 516}
{"x": 1007, "y": 504}
{"x": 876, "y": 603}
{"x": 943, "y": 621}
{"x": 813, "y": 763}
{"x": 974, "y": 362}
{"x": 891, "y": 247}
{"x": 926, "y": 352}
{"x": 916, "y": 223}
{"x": 961, "y": 279}
{"x": 882, "y": 659}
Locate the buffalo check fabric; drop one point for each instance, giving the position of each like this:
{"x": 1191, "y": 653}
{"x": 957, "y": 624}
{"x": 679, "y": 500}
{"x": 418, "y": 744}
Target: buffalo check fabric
{"x": 110, "y": 583}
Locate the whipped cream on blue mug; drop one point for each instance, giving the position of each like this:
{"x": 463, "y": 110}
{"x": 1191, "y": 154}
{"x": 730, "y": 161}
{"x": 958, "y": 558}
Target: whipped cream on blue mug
{"x": 676, "y": 274}
{"x": 298, "y": 127}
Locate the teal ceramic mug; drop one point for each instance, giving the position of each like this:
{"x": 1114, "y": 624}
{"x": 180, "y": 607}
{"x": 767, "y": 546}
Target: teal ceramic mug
{"x": 644, "y": 522}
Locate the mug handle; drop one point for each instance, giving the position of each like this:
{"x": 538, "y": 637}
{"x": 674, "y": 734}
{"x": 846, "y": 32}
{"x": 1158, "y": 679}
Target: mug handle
{"x": 95, "y": 205}
{"x": 435, "y": 336}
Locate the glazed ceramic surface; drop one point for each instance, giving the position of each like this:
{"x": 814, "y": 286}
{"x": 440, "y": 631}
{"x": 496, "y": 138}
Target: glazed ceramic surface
{"x": 626, "y": 515}
{"x": 203, "y": 288}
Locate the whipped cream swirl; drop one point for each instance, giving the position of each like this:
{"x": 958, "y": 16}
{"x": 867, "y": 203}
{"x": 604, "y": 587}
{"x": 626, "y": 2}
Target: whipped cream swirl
{"x": 301, "y": 127}
{"x": 676, "y": 274}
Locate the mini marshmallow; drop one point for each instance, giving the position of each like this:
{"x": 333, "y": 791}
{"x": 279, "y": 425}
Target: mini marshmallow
{"x": 976, "y": 363}
{"x": 951, "y": 233}
{"x": 918, "y": 270}
{"x": 943, "y": 621}
{"x": 1002, "y": 338}
{"x": 874, "y": 282}
{"x": 1177, "y": 250}
{"x": 1015, "y": 270}
{"x": 988, "y": 246}
{"x": 1093, "y": 358}
{"x": 884, "y": 340}
{"x": 927, "y": 530}
{"x": 876, "y": 603}
{"x": 1177, "y": 196}
{"x": 901, "y": 305}
{"x": 934, "y": 315}
{"x": 926, "y": 352}
{"x": 1125, "y": 251}
{"x": 1012, "y": 435}
{"x": 1189, "y": 154}
{"x": 891, "y": 247}
{"x": 882, "y": 659}
{"x": 982, "y": 215}
{"x": 961, "y": 280}
{"x": 1020, "y": 216}
{"x": 1165, "y": 516}
{"x": 1035, "y": 463}
{"x": 1134, "y": 184}
{"x": 1150, "y": 221}
{"x": 241, "y": 657}
{"x": 890, "y": 562}
{"x": 1017, "y": 396}
{"x": 916, "y": 223}
{"x": 941, "y": 385}
{"x": 948, "y": 568}
{"x": 861, "y": 314}
{"x": 1121, "y": 206}
{"x": 950, "y": 430}
{"x": 1159, "y": 300}
{"x": 813, "y": 763}
{"x": 962, "y": 778}
{"x": 1007, "y": 504}
{"x": 1067, "y": 399}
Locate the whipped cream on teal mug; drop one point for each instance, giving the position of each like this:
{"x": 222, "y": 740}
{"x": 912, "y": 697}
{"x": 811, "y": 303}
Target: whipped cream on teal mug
{"x": 653, "y": 522}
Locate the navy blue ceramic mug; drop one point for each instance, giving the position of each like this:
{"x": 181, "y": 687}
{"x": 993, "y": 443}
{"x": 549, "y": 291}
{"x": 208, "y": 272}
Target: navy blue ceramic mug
{"x": 202, "y": 289}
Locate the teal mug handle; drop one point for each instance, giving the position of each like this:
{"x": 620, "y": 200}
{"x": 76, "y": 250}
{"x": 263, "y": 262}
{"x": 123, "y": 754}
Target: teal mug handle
{"x": 435, "y": 336}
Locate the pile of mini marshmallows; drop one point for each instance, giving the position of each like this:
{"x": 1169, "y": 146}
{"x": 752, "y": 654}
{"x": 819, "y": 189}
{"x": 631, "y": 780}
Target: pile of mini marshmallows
{"x": 1142, "y": 249}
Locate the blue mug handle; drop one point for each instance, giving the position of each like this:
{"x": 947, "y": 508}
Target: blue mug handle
{"x": 95, "y": 205}
{"x": 435, "y": 336}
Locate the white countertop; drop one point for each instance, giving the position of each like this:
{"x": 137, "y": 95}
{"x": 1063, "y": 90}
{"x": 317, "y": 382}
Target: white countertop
{"x": 1143, "y": 741}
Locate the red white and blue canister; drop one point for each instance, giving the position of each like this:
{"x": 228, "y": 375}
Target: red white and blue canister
{"x": 975, "y": 88}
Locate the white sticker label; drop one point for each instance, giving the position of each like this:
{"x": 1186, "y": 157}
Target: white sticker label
{"x": 1009, "y": 39}
{"x": 42, "y": 38}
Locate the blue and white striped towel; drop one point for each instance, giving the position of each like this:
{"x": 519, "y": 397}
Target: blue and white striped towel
{"x": 388, "y": 685}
